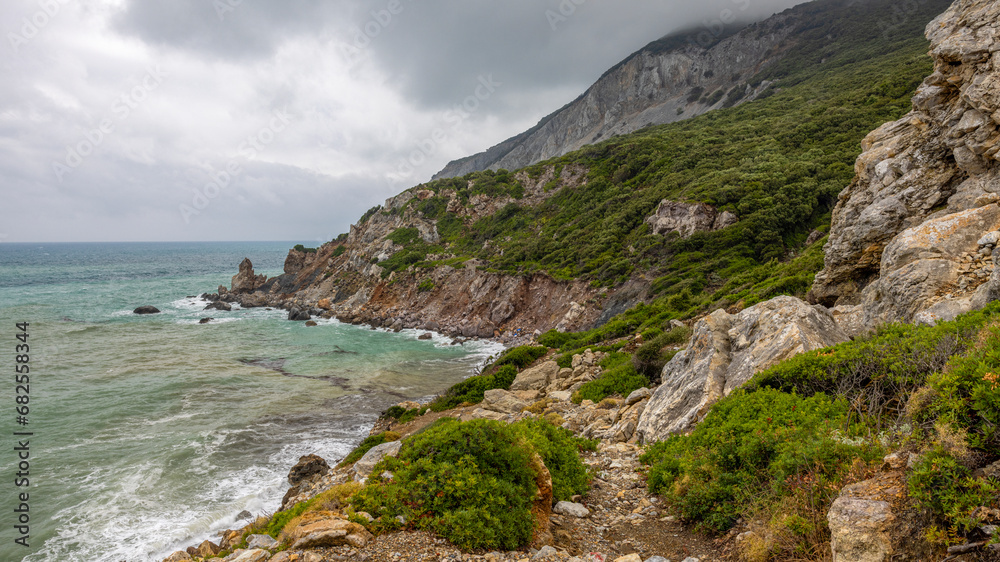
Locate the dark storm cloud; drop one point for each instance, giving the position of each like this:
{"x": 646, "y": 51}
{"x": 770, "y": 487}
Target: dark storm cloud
{"x": 367, "y": 84}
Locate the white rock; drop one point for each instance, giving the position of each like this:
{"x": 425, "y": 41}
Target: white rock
{"x": 261, "y": 541}
{"x": 365, "y": 464}
{"x": 571, "y": 508}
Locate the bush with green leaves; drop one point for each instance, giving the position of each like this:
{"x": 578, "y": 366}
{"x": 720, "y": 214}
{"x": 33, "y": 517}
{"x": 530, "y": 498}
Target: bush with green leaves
{"x": 618, "y": 377}
{"x": 521, "y": 356}
{"x": 945, "y": 487}
{"x": 750, "y": 449}
{"x": 472, "y": 389}
{"x": 367, "y": 444}
{"x": 559, "y": 450}
{"x": 472, "y": 482}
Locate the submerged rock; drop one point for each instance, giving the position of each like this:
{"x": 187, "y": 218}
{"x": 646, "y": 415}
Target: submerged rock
{"x": 146, "y": 310}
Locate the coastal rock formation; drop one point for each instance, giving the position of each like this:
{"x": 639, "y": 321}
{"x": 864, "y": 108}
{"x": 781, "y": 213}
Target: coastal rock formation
{"x": 319, "y": 529}
{"x": 307, "y": 466}
{"x": 146, "y": 310}
{"x": 688, "y": 218}
{"x": 245, "y": 281}
{"x": 905, "y": 231}
{"x": 670, "y": 80}
{"x": 725, "y": 351}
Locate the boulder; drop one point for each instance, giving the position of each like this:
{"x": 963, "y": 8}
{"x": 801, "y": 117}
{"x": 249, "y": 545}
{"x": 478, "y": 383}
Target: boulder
{"x": 261, "y": 541}
{"x": 536, "y": 378}
{"x": 572, "y": 509}
{"x": 425, "y": 336}
{"x": 207, "y": 549}
{"x": 298, "y": 315}
{"x": 502, "y": 401}
{"x": 205, "y": 320}
{"x": 322, "y": 529}
{"x": 307, "y": 466}
{"x": 178, "y": 556}
{"x": 297, "y": 556}
{"x": 725, "y": 352}
{"x": 934, "y": 268}
{"x": 311, "y": 323}
{"x": 246, "y": 281}
{"x": 146, "y": 310}
{"x": 363, "y": 467}
{"x": 219, "y": 305}
{"x": 638, "y": 395}
{"x": 248, "y": 555}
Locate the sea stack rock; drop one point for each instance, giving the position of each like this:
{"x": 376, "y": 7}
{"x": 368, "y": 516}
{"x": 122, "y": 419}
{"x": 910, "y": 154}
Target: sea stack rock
{"x": 146, "y": 310}
{"x": 246, "y": 281}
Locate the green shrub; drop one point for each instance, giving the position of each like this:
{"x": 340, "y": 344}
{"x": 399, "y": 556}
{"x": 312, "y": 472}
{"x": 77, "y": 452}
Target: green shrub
{"x": 339, "y": 251}
{"x": 425, "y": 285}
{"x": 472, "y": 389}
{"x": 301, "y": 248}
{"x": 618, "y": 377}
{"x": 559, "y": 450}
{"x": 278, "y": 521}
{"x": 947, "y": 489}
{"x": 752, "y": 447}
{"x": 521, "y": 356}
{"x": 404, "y": 236}
{"x": 402, "y": 415}
{"x": 470, "y": 482}
{"x": 367, "y": 444}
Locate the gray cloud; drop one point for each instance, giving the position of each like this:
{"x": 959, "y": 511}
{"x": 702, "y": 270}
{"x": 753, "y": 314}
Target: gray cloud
{"x": 364, "y": 92}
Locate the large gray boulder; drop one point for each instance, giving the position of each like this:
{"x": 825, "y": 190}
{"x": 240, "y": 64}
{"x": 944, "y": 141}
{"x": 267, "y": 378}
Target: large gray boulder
{"x": 363, "y": 467}
{"x": 536, "y": 378}
{"x": 503, "y": 401}
{"x": 725, "y": 352}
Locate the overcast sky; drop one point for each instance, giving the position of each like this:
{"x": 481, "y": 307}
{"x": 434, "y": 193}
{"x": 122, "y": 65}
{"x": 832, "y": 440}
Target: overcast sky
{"x": 281, "y": 120}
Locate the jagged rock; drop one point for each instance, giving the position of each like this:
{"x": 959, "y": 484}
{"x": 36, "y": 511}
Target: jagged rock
{"x": 638, "y": 395}
{"x": 363, "y": 467}
{"x": 937, "y": 161}
{"x": 298, "y": 315}
{"x": 207, "y": 549}
{"x": 261, "y": 541}
{"x": 572, "y": 509}
{"x": 922, "y": 266}
{"x": 575, "y": 311}
{"x": 219, "y": 305}
{"x": 243, "y": 555}
{"x": 541, "y": 508}
{"x": 205, "y": 320}
{"x": 307, "y": 466}
{"x": 425, "y": 336}
{"x": 246, "y": 281}
{"x": 311, "y": 323}
{"x": 725, "y": 352}
{"x": 688, "y": 218}
{"x": 297, "y": 556}
{"x": 561, "y": 395}
{"x": 321, "y": 529}
{"x": 502, "y": 401}
{"x": 178, "y": 556}
{"x": 146, "y": 310}
{"x": 536, "y": 378}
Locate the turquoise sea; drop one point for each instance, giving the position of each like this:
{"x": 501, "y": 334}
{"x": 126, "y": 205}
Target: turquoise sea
{"x": 151, "y": 433}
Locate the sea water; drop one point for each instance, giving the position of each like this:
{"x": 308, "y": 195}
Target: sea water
{"x": 152, "y": 433}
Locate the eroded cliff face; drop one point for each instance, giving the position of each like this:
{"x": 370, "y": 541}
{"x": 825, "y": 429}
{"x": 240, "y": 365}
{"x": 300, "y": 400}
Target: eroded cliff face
{"x": 651, "y": 87}
{"x": 911, "y": 237}
{"x": 344, "y": 279}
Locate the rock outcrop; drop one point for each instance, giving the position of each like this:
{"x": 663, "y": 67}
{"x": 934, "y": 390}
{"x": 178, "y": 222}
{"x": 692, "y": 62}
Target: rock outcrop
{"x": 905, "y": 234}
{"x": 246, "y": 281}
{"x": 688, "y": 218}
{"x": 725, "y": 351}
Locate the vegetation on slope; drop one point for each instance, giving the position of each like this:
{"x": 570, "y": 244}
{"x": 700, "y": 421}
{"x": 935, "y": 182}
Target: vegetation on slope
{"x": 781, "y": 448}
{"x": 777, "y": 163}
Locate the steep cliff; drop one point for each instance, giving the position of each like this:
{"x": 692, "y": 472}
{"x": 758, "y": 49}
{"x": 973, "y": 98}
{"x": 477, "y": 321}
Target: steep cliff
{"x": 912, "y": 237}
